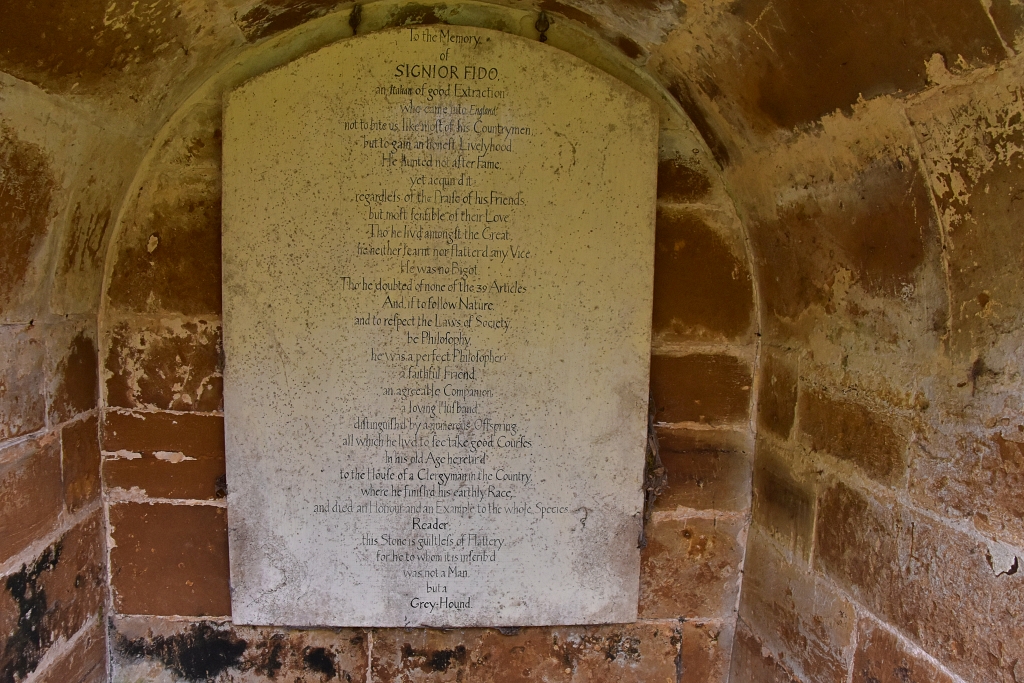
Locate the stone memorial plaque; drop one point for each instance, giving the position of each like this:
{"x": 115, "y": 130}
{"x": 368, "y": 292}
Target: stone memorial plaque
{"x": 438, "y": 263}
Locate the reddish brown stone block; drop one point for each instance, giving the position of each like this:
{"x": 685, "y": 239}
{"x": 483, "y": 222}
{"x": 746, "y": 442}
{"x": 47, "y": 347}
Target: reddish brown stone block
{"x": 74, "y": 381}
{"x": 80, "y": 459}
{"x": 798, "y": 60}
{"x": 852, "y": 432}
{"x": 26, "y": 192}
{"x": 172, "y": 455}
{"x": 713, "y": 389}
{"x": 53, "y": 597}
{"x": 32, "y": 493}
{"x": 690, "y": 569}
{"x": 61, "y": 44}
{"x": 680, "y": 182}
{"x": 705, "y": 652}
{"x": 805, "y": 624}
{"x": 783, "y": 506}
{"x": 933, "y": 583}
{"x": 170, "y": 259}
{"x": 626, "y": 652}
{"x": 878, "y": 224}
{"x": 22, "y": 381}
{"x": 883, "y": 658}
{"x": 977, "y": 478}
{"x": 85, "y": 663}
{"x": 776, "y": 402}
{"x": 701, "y": 288}
{"x": 174, "y": 366}
{"x": 753, "y": 663}
{"x": 274, "y": 16}
{"x": 170, "y": 559}
{"x": 145, "y": 648}
{"x": 707, "y": 470}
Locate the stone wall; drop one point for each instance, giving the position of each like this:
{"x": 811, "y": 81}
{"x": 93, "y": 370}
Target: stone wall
{"x": 838, "y": 247}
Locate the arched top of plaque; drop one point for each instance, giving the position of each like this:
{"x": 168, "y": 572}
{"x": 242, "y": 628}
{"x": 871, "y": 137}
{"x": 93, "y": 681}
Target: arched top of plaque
{"x": 438, "y": 262}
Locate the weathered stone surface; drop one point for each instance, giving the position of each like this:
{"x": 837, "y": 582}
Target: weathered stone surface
{"x": 26, "y": 193}
{"x": 22, "y": 380}
{"x": 1008, "y": 16}
{"x": 273, "y": 16}
{"x": 853, "y": 432}
{"x": 680, "y": 182}
{"x": 974, "y": 143}
{"x": 31, "y": 491}
{"x": 148, "y": 648}
{"x": 169, "y": 559}
{"x": 707, "y": 470}
{"x": 776, "y": 401}
{"x": 494, "y": 288}
{"x": 877, "y": 223}
{"x": 626, "y": 652}
{"x": 165, "y": 366}
{"x": 804, "y": 623}
{"x": 783, "y": 505}
{"x": 61, "y": 44}
{"x": 753, "y": 663}
{"x": 80, "y": 461}
{"x": 712, "y": 389}
{"x": 165, "y": 455}
{"x": 86, "y": 662}
{"x": 791, "y": 62}
{"x": 702, "y": 290}
{"x": 704, "y": 653}
{"x": 72, "y": 371}
{"x": 52, "y": 597}
{"x": 690, "y": 569}
{"x": 169, "y": 256}
{"x": 883, "y": 658}
{"x": 933, "y": 583}
{"x": 974, "y": 477}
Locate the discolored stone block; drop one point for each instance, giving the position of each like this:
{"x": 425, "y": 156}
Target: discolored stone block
{"x": 150, "y": 648}
{"x": 706, "y": 470}
{"x": 881, "y": 657}
{"x": 969, "y": 475}
{"x": 690, "y": 569}
{"x": 877, "y": 222}
{"x": 799, "y": 60}
{"x": 26, "y": 193}
{"x": 169, "y": 559}
{"x": 753, "y": 663}
{"x": 165, "y": 455}
{"x": 80, "y": 460}
{"x": 31, "y": 491}
{"x": 853, "y": 432}
{"x": 165, "y": 366}
{"x": 776, "y": 402}
{"x": 933, "y": 583}
{"x": 1008, "y": 16}
{"x": 623, "y": 652}
{"x": 803, "y": 622}
{"x": 712, "y": 389}
{"x": 86, "y": 662}
{"x": 53, "y": 597}
{"x": 58, "y": 45}
{"x": 680, "y": 182}
{"x": 783, "y": 506}
{"x": 274, "y": 16}
{"x": 73, "y": 373}
{"x": 169, "y": 258}
{"x": 22, "y": 381}
{"x": 701, "y": 288}
{"x": 971, "y": 139}
{"x": 705, "y": 652}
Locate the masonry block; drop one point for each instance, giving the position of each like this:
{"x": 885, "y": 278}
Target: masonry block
{"x": 80, "y": 461}
{"x": 883, "y": 658}
{"x": 706, "y": 469}
{"x": 705, "y": 388}
{"x": 32, "y": 492}
{"x": 22, "y": 381}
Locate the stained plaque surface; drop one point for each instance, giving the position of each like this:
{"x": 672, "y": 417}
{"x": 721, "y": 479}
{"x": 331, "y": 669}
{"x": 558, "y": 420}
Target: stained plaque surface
{"x": 438, "y": 261}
